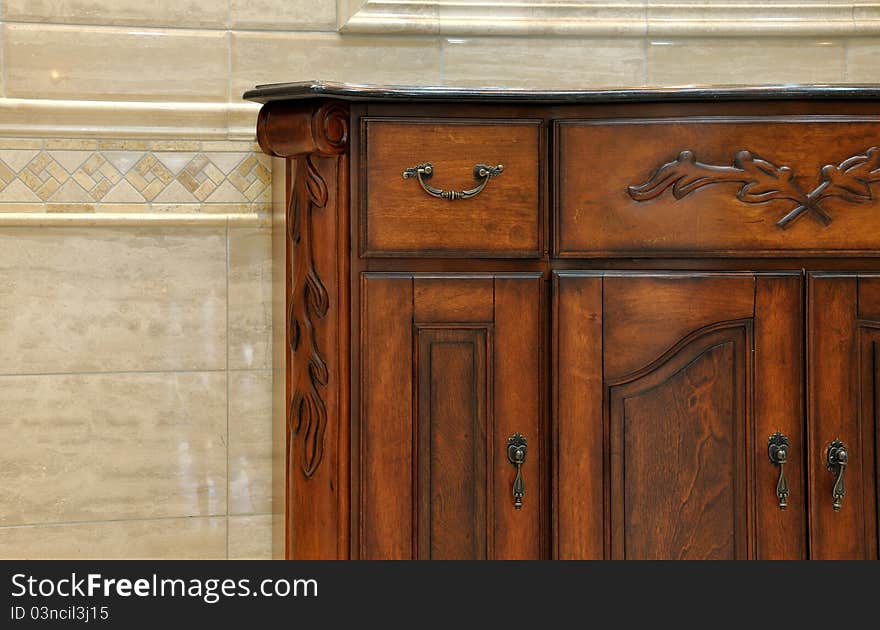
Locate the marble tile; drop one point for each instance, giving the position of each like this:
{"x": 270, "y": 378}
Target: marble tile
{"x": 283, "y": 15}
{"x": 75, "y": 62}
{"x": 250, "y": 537}
{"x": 123, "y": 216}
{"x": 862, "y": 55}
{"x": 748, "y": 18}
{"x": 160, "y": 539}
{"x": 21, "y": 143}
{"x": 210, "y": 13}
{"x": 116, "y": 119}
{"x": 536, "y": 19}
{"x": 542, "y": 62}
{"x": 866, "y": 15}
{"x": 276, "y": 57}
{"x": 382, "y": 18}
{"x": 250, "y": 442}
{"x": 242, "y": 117}
{"x": 744, "y": 61}
{"x": 250, "y": 298}
{"x": 236, "y": 146}
{"x": 89, "y": 447}
{"x": 112, "y": 299}
{"x": 80, "y": 144}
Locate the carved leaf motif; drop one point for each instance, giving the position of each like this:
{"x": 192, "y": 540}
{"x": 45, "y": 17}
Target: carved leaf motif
{"x": 316, "y": 185}
{"x": 851, "y": 179}
{"x": 311, "y": 302}
{"x": 763, "y": 181}
{"x": 684, "y": 175}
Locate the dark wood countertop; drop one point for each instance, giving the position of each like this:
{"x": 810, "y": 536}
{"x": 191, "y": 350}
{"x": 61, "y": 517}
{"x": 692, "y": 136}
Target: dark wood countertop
{"x": 353, "y": 92}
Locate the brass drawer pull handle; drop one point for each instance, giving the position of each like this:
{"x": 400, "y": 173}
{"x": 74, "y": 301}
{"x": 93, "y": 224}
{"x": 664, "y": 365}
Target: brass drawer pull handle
{"x": 481, "y": 172}
{"x": 836, "y": 458}
{"x": 777, "y": 449}
{"x": 516, "y": 455}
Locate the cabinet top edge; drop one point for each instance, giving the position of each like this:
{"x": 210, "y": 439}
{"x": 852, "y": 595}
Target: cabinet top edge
{"x": 304, "y": 90}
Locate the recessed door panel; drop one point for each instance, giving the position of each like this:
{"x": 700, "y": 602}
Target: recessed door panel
{"x": 678, "y": 452}
{"x": 454, "y": 439}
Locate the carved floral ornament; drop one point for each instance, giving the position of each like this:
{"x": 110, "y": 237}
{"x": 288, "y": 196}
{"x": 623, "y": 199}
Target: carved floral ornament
{"x": 762, "y": 181}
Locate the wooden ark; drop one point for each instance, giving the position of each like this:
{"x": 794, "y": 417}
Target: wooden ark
{"x": 600, "y": 324}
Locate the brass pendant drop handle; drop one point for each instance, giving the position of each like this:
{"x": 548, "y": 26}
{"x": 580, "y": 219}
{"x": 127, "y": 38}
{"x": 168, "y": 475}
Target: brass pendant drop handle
{"x": 424, "y": 172}
{"x": 778, "y": 450}
{"x": 836, "y": 458}
{"x": 516, "y": 455}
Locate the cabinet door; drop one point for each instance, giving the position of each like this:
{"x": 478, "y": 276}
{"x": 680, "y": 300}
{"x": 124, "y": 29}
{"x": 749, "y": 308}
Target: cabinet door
{"x": 450, "y": 368}
{"x": 667, "y": 389}
{"x": 843, "y": 358}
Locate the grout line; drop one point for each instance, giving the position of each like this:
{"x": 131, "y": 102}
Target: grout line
{"x": 2, "y": 59}
{"x": 129, "y": 520}
{"x": 228, "y": 256}
{"x": 228, "y": 58}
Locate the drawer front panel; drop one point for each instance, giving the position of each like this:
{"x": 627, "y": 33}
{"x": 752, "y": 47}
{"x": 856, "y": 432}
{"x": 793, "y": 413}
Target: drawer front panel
{"x": 750, "y": 186}
{"x": 399, "y": 218}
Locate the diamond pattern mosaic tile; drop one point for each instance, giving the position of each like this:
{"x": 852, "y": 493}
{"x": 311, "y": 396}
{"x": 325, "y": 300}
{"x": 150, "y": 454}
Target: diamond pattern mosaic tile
{"x": 83, "y": 178}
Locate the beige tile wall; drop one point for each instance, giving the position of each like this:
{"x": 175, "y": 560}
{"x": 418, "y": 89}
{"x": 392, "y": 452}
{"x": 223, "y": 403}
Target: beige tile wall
{"x": 137, "y": 385}
{"x": 143, "y": 404}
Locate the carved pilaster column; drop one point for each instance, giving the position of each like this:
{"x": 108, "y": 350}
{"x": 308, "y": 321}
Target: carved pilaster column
{"x": 313, "y": 137}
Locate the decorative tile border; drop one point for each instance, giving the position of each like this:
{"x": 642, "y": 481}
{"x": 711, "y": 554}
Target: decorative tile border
{"x": 133, "y": 176}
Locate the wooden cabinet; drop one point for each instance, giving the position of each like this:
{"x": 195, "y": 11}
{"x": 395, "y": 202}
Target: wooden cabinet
{"x": 614, "y": 324}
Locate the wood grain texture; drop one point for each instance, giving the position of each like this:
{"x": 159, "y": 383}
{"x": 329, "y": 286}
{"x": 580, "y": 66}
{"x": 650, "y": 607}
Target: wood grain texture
{"x": 695, "y": 410}
{"x": 399, "y": 218}
{"x": 842, "y": 405}
{"x": 673, "y": 429}
{"x": 866, "y": 449}
{"x": 677, "y": 455}
{"x": 779, "y": 406}
{"x": 600, "y": 160}
{"x": 460, "y": 299}
{"x": 578, "y": 428}
{"x": 659, "y": 310}
{"x": 386, "y": 419}
{"x": 518, "y": 404}
{"x": 439, "y": 399}
{"x": 455, "y": 437}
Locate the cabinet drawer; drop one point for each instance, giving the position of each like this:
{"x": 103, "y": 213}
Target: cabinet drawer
{"x": 400, "y": 218}
{"x": 765, "y": 186}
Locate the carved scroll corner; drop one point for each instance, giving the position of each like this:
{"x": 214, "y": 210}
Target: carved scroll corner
{"x": 292, "y": 129}
{"x": 330, "y": 128}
